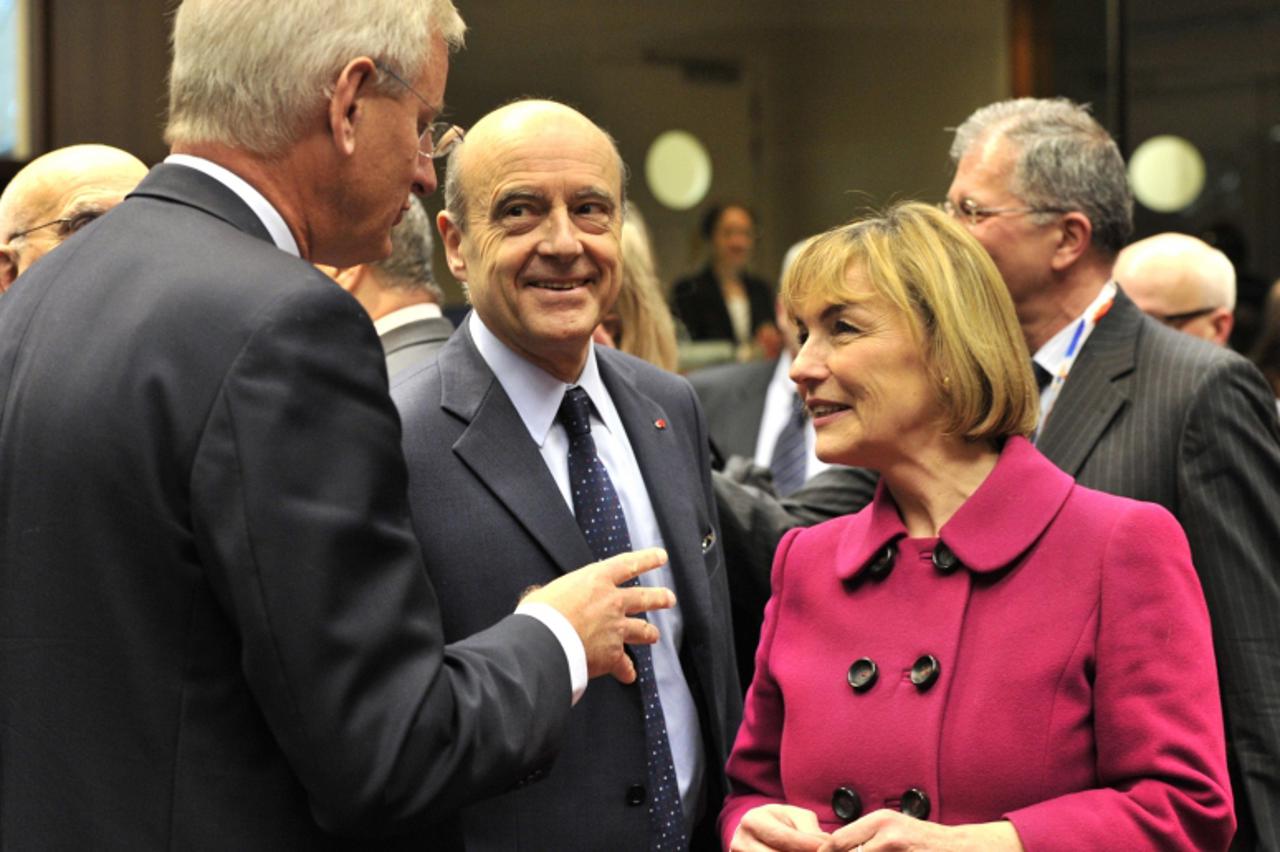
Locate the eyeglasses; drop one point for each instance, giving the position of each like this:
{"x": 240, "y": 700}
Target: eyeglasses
{"x": 1181, "y": 319}
{"x": 972, "y": 212}
{"x": 439, "y": 138}
{"x": 67, "y": 225}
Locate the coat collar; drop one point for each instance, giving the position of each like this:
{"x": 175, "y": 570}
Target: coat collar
{"x": 1097, "y": 388}
{"x": 183, "y": 185}
{"x": 998, "y": 523}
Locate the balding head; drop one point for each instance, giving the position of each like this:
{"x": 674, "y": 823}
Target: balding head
{"x": 501, "y": 124}
{"x": 1181, "y": 281}
{"x": 532, "y": 226}
{"x": 57, "y": 194}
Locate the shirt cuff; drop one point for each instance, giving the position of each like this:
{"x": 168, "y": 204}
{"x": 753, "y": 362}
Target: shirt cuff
{"x": 574, "y": 653}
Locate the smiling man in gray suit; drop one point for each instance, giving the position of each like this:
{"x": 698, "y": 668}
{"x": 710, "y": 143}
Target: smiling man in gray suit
{"x": 522, "y": 436}
{"x": 1128, "y": 406}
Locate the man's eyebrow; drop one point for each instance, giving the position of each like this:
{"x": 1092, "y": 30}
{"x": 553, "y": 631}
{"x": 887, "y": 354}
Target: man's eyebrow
{"x": 517, "y": 193}
{"x": 596, "y": 192}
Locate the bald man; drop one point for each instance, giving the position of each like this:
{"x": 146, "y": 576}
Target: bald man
{"x": 1184, "y": 282}
{"x": 517, "y": 405}
{"x": 56, "y": 195}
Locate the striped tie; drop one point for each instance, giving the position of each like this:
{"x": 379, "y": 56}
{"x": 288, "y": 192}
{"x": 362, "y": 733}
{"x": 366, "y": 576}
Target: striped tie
{"x": 790, "y": 459}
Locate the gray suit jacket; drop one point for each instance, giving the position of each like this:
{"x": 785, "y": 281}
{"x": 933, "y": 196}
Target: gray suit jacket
{"x": 733, "y": 396}
{"x": 1156, "y": 415}
{"x": 216, "y": 630}
{"x": 414, "y": 344}
{"x": 492, "y": 522}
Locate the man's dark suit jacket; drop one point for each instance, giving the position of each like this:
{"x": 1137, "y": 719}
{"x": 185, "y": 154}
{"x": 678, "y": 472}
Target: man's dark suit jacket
{"x": 216, "y": 629}
{"x": 415, "y": 343}
{"x": 698, "y": 303}
{"x": 1155, "y": 415}
{"x": 493, "y": 522}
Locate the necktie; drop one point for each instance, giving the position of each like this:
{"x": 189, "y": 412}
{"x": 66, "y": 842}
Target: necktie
{"x": 790, "y": 459}
{"x": 1043, "y": 376}
{"x": 599, "y": 514}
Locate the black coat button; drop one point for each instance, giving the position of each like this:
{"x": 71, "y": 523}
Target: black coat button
{"x": 863, "y": 674}
{"x": 882, "y": 564}
{"x": 846, "y": 803}
{"x": 915, "y": 803}
{"x": 637, "y": 794}
{"x": 944, "y": 560}
{"x": 925, "y": 672}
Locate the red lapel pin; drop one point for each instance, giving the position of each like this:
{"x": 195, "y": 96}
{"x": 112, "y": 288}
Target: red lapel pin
{"x": 660, "y": 423}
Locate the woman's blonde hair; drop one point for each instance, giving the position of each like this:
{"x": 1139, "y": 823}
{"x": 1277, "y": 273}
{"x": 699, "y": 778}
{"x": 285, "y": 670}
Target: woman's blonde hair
{"x": 644, "y": 328}
{"x": 929, "y": 267}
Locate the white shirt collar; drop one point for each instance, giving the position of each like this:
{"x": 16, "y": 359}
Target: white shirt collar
{"x": 1054, "y": 353}
{"x": 411, "y": 313}
{"x": 535, "y": 393}
{"x": 258, "y": 203}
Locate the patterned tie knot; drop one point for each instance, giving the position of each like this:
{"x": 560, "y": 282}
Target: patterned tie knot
{"x": 575, "y": 412}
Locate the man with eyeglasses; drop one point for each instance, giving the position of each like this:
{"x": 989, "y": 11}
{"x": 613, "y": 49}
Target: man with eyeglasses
{"x": 1128, "y": 406}
{"x": 1181, "y": 281}
{"x": 217, "y": 629}
{"x": 57, "y": 194}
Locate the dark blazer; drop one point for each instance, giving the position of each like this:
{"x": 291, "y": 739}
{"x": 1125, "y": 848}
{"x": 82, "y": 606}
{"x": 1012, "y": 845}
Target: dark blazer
{"x": 697, "y": 302}
{"x": 1074, "y": 691}
{"x": 414, "y": 343}
{"x": 216, "y": 629}
{"x": 732, "y": 396}
{"x": 492, "y": 522}
{"x": 1156, "y": 415}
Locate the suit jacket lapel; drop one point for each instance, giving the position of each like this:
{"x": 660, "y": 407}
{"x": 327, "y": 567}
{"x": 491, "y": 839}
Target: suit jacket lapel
{"x": 1096, "y": 389}
{"x": 497, "y": 448}
{"x": 666, "y": 474}
{"x": 183, "y": 185}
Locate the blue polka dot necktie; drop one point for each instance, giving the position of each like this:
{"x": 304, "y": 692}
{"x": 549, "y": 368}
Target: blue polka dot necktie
{"x": 599, "y": 514}
{"x": 790, "y": 460}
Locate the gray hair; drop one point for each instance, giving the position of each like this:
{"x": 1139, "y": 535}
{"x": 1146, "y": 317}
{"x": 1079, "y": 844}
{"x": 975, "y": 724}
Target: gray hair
{"x": 455, "y": 198}
{"x": 250, "y": 75}
{"x": 408, "y": 267}
{"x": 1065, "y": 159}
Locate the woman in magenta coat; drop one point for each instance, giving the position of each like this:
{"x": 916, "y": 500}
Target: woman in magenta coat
{"x": 988, "y": 656}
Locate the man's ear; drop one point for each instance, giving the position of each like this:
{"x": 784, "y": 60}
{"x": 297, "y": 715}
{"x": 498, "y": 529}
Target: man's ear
{"x": 451, "y": 238}
{"x": 1075, "y": 237}
{"x": 8, "y": 266}
{"x": 346, "y": 103}
{"x": 1223, "y": 321}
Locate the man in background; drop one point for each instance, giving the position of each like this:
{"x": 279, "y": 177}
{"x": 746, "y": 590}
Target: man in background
{"x": 57, "y": 194}
{"x": 1181, "y": 281}
{"x": 400, "y": 296}
{"x": 216, "y": 627}
{"x": 530, "y": 450}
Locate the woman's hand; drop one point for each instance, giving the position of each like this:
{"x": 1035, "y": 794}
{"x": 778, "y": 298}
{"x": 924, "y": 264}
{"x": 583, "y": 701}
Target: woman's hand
{"x": 778, "y": 828}
{"x": 891, "y": 831}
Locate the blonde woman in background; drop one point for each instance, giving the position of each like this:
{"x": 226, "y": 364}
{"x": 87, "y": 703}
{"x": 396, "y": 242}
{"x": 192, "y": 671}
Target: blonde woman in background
{"x": 640, "y": 323}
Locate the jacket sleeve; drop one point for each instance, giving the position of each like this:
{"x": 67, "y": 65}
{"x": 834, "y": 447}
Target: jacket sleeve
{"x": 753, "y": 768}
{"x": 1229, "y": 500}
{"x": 1160, "y": 761}
{"x": 301, "y": 517}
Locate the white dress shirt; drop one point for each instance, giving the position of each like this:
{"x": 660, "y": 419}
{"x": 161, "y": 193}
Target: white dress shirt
{"x": 575, "y": 653}
{"x": 777, "y": 411}
{"x": 537, "y": 395}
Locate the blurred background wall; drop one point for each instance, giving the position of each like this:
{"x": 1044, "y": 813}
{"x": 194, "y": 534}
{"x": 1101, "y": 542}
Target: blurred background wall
{"x": 810, "y": 110}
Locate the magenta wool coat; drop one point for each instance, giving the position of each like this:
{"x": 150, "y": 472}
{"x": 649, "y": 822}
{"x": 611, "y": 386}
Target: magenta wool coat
{"x": 1045, "y": 660}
